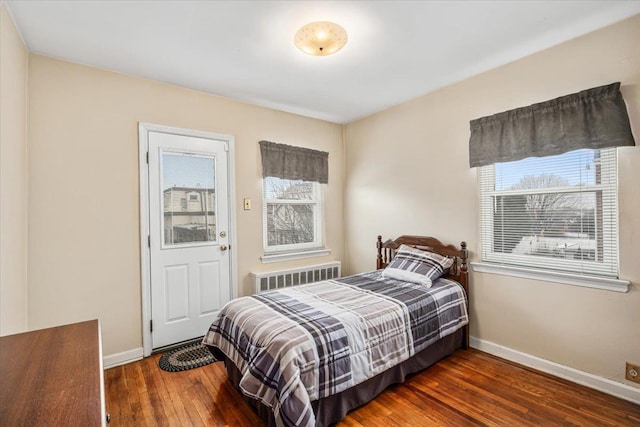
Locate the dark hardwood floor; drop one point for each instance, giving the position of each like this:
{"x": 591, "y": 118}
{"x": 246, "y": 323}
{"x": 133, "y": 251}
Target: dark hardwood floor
{"x": 468, "y": 388}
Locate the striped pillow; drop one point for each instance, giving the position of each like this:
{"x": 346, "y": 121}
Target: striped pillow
{"x": 417, "y": 266}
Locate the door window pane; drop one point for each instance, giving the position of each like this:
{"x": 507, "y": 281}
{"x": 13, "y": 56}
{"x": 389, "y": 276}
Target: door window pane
{"x": 188, "y": 195}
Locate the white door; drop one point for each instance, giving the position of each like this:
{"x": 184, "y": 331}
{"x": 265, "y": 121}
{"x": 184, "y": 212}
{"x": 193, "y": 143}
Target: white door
{"x": 189, "y": 235}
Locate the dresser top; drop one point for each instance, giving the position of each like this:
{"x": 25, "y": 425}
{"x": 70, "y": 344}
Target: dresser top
{"x": 52, "y": 376}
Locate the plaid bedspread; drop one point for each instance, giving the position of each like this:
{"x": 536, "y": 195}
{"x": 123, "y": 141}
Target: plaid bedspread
{"x": 299, "y": 344}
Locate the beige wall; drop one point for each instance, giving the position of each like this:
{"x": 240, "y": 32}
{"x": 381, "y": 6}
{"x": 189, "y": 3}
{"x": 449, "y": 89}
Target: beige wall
{"x": 404, "y": 170}
{"x": 13, "y": 178}
{"x": 84, "y": 254}
{"x": 407, "y": 171}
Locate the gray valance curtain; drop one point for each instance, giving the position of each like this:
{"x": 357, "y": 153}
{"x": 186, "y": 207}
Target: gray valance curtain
{"x": 593, "y": 118}
{"x": 288, "y": 162}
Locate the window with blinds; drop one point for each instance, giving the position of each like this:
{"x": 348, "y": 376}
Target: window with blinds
{"x": 552, "y": 213}
{"x": 292, "y": 212}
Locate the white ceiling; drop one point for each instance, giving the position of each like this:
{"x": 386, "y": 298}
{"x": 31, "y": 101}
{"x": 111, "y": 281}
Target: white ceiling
{"x": 397, "y": 50}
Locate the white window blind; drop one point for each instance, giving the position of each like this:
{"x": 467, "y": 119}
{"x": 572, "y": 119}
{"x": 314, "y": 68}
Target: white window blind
{"x": 552, "y": 213}
{"x": 292, "y": 213}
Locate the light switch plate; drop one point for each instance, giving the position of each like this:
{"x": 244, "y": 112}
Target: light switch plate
{"x": 247, "y": 204}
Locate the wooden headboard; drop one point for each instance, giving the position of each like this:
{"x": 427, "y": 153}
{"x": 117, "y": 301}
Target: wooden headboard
{"x": 459, "y": 270}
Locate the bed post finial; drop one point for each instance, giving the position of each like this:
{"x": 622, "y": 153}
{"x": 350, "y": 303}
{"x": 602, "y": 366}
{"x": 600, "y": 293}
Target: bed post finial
{"x": 464, "y": 255}
{"x": 464, "y": 280}
{"x": 379, "y": 257}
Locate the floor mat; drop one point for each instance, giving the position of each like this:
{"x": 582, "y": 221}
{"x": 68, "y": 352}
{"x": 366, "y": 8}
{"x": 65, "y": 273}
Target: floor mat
{"x": 186, "y": 357}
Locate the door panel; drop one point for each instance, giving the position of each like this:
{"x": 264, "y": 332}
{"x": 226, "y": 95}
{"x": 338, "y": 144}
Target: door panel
{"x": 188, "y": 222}
{"x": 176, "y": 291}
{"x": 209, "y": 300}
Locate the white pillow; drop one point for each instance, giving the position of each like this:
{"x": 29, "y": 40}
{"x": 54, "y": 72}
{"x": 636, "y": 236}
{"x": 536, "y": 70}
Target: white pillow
{"x": 417, "y": 266}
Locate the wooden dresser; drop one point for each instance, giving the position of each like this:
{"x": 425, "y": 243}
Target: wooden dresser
{"x": 53, "y": 377}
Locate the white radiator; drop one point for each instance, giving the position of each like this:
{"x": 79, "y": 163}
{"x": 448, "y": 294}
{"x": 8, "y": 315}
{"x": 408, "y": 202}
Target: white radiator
{"x": 296, "y": 276}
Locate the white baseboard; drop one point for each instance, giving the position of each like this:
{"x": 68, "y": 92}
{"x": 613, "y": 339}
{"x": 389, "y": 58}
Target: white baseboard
{"x": 605, "y": 385}
{"x": 113, "y": 360}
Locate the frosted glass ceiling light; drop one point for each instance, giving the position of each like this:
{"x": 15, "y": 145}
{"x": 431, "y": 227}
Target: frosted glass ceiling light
{"x": 320, "y": 38}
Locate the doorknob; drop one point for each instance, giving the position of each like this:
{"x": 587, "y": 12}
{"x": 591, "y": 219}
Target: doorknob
{"x": 223, "y": 247}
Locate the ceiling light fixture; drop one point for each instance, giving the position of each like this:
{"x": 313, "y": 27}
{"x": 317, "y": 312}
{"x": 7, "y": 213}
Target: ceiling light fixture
{"x": 320, "y": 38}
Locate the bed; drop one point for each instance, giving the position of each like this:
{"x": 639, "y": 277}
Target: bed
{"x": 307, "y": 355}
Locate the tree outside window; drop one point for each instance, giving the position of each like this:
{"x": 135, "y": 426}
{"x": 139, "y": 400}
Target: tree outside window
{"x": 292, "y": 214}
{"x": 556, "y": 212}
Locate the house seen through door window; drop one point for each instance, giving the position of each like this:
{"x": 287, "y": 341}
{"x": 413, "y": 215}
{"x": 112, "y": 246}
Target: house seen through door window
{"x": 188, "y": 198}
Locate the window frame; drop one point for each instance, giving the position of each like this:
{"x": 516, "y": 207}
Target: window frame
{"x": 492, "y": 261}
{"x": 312, "y": 248}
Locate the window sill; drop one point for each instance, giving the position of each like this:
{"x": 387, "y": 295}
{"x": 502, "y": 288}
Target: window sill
{"x": 595, "y": 282}
{"x": 287, "y": 256}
